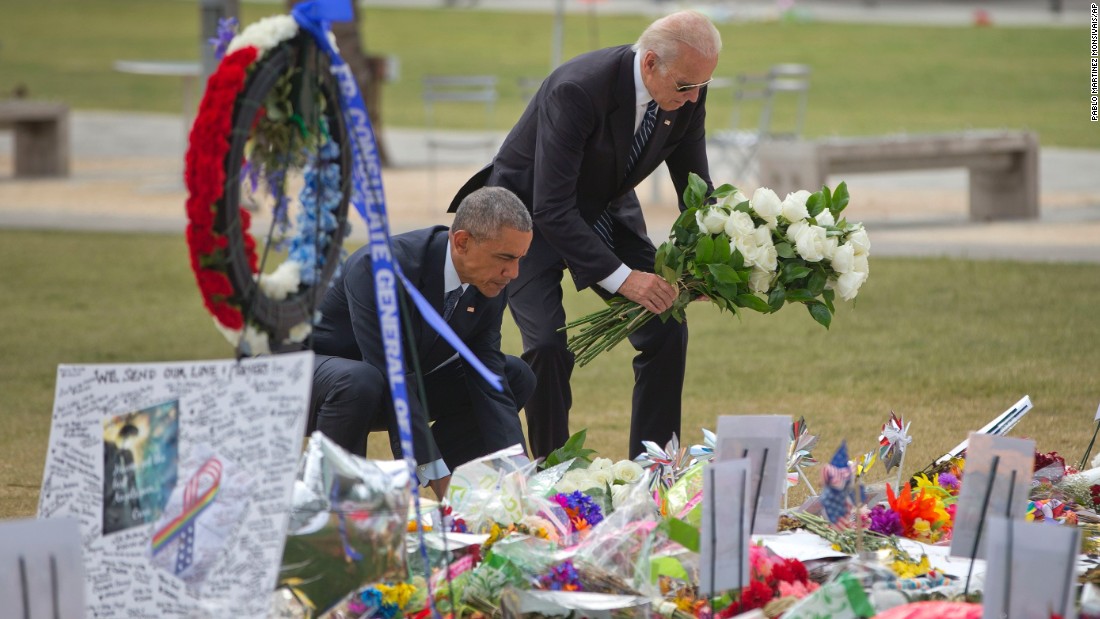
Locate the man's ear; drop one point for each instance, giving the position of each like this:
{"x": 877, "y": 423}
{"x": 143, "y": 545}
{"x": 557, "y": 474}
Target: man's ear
{"x": 461, "y": 241}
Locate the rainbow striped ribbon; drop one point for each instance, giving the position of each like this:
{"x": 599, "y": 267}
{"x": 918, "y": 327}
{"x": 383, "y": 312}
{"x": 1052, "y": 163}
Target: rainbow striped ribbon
{"x": 196, "y": 499}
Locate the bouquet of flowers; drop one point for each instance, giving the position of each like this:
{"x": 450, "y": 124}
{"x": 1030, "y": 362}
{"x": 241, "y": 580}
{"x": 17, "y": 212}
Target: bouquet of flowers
{"x": 758, "y": 253}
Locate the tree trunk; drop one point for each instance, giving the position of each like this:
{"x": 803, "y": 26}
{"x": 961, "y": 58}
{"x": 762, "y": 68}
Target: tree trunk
{"x": 368, "y": 72}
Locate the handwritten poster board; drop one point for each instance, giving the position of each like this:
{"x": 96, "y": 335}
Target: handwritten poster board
{"x": 180, "y": 475}
{"x": 764, "y": 440}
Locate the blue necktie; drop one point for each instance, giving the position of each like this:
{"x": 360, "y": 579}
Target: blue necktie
{"x": 604, "y": 223}
{"x": 450, "y": 301}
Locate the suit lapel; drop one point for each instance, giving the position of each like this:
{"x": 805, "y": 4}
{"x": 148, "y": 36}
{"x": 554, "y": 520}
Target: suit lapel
{"x": 622, "y": 118}
{"x": 431, "y": 286}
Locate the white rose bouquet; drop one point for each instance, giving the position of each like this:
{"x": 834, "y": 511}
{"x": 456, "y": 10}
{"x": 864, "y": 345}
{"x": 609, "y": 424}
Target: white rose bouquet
{"x": 759, "y": 253}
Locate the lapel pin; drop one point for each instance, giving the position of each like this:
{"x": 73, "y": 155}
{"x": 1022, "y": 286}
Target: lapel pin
{"x": 470, "y": 309}
{"x": 668, "y": 122}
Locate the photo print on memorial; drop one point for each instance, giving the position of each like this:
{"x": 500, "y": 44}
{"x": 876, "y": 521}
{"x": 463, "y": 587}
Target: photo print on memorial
{"x": 140, "y": 455}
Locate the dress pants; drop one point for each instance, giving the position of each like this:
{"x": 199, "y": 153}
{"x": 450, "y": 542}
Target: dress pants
{"x": 658, "y": 367}
{"x": 351, "y": 398}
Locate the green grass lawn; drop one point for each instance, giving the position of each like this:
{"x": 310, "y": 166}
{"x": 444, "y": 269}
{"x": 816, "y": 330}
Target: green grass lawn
{"x": 868, "y": 79}
{"x": 947, "y": 344}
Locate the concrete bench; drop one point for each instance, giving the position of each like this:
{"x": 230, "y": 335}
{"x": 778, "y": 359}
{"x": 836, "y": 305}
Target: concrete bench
{"x": 1003, "y": 165}
{"x": 41, "y": 136}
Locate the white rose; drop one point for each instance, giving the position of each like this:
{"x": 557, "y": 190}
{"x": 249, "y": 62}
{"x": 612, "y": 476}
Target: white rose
{"x": 565, "y": 486}
{"x": 748, "y": 248}
{"x": 619, "y": 494}
{"x": 825, "y": 218}
{"x": 627, "y": 471}
{"x": 739, "y": 224}
{"x": 860, "y": 241}
{"x": 767, "y": 205}
{"x": 831, "y": 243}
{"x": 760, "y": 280}
{"x": 733, "y": 199}
{"x": 847, "y": 285}
{"x": 767, "y": 258}
{"x": 299, "y": 332}
{"x": 711, "y": 220}
{"x": 763, "y": 237}
{"x": 283, "y": 281}
{"x": 793, "y": 207}
{"x": 264, "y": 34}
{"x": 576, "y": 476}
{"x": 601, "y": 477}
{"x": 860, "y": 265}
{"x": 809, "y": 240}
{"x": 844, "y": 258}
{"x": 600, "y": 463}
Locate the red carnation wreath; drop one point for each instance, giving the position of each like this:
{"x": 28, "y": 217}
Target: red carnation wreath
{"x": 270, "y": 110}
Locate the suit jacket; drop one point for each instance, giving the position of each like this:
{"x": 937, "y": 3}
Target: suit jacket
{"x": 566, "y": 159}
{"x": 349, "y": 329}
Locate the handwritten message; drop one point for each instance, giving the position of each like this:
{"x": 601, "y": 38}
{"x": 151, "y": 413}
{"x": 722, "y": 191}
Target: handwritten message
{"x": 203, "y": 536}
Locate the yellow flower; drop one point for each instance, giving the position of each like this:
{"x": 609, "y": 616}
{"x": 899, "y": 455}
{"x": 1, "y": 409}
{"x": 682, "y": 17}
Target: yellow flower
{"x": 398, "y": 594}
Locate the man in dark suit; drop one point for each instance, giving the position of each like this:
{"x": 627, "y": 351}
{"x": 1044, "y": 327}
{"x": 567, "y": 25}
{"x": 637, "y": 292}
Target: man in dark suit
{"x": 598, "y": 125}
{"x": 469, "y": 265}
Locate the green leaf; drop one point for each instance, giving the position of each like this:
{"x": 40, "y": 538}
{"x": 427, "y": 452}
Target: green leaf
{"x": 784, "y": 250}
{"x": 695, "y": 192}
{"x": 721, "y": 249}
{"x": 815, "y": 204}
{"x": 820, "y": 313}
{"x": 726, "y": 290}
{"x": 704, "y": 248}
{"x": 828, "y": 297}
{"x": 669, "y": 274}
{"x": 737, "y": 260}
{"x": 840, "y": 199}
{"x": 724, "y": 274}
{"x": 572, "y": 449}
{"x": 777, "y": 297}
{"x": 817, "y": 281}
{"x": 686, "y": 220}
{"x": 661, "y": 258}
{"x": 723, "y": 191}
{"x": 800, "y": 295}
{"x": 753, "y": 302}
{"x": 684, "y": 534}
{"x": 794, "y": 271}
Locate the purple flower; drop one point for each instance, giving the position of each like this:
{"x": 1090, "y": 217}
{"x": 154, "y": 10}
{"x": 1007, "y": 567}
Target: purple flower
{"x": 562, "y": 577}
{"x": 227, "y": 29}
{"x": 885, "y": 521}
{"x": 948, "y": 481}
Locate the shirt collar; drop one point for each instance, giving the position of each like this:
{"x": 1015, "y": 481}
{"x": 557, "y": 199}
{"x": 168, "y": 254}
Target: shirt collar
{"x": 450, "y": 275}
{"x": 641, "y": 95}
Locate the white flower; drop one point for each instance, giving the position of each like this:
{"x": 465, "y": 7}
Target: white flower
{"x": 299, "y": 332}
{"x": 748, "y": 248}
{"x": 602, "y": 477}
{"x": 809, "y": 240}
{"x": 739, "y": 224}
{"x": 733, "y": 199}
{"x": 253, "y": 342}
{"x": 576, "y": 476}
{"x": 860, "y": 264}
{"x": 264, "y": 34}
{"x": 847, "y": 285}
{"x": 767, "y": 205}
{"x": 860, "y": 241}
{"x": 627, "y": 471}
{"x": 825, "y": 218}
{"x": 760, "y": 280}
{"x": 619, "y": 494}
{"x": 767, "y": 257}
{"x": 711, "y": 220}
{"x": 843, "y": 259}
{"x": 599, "y": 464}
{"x": 565, "y": 486}
{"x": 793, "y": 207}
{"x": 831, "y": 243}
{"x": 284, "y": 280}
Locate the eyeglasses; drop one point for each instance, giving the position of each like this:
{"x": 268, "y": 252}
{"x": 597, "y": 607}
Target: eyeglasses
{"x": 683, "y": 87}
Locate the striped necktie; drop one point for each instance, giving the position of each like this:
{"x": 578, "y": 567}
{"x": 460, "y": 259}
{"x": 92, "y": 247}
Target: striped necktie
{"x": 604, "y": 223}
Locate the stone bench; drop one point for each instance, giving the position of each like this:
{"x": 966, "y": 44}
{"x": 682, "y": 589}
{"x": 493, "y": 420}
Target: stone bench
{"x": 41, "y": 136}
{"x": 1003, "y": 165}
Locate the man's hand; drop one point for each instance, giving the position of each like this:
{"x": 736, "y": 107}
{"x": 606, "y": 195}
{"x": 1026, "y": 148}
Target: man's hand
{"x": 439, "y": 486}
{"x": 648, "y": 290}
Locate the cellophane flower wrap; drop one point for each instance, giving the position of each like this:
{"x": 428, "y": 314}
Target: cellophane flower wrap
{"x": 757, "y": 253}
